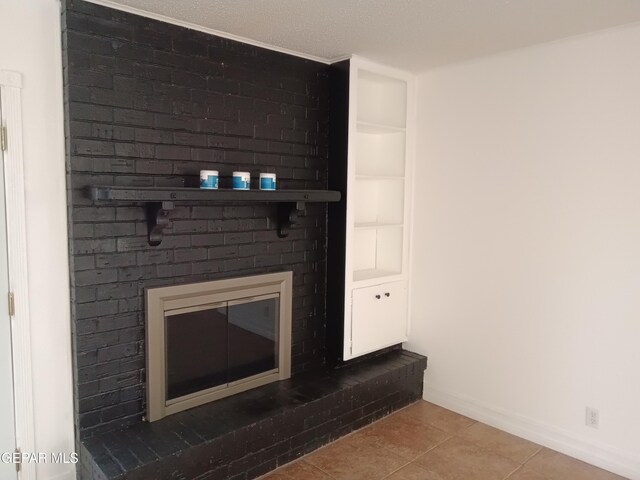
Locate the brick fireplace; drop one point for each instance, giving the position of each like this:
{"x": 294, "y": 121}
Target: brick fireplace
{"x": 149, "y": 104}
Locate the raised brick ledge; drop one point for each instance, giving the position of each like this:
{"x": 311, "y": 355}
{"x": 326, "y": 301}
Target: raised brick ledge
{"x": 249, "y": 434}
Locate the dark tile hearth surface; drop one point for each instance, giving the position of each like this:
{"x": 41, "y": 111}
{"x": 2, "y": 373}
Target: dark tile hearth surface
{"x": 249, "y": 434}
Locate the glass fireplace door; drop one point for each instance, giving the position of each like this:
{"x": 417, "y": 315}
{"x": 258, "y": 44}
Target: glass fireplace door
{"x": 196, "y": 349}
{"x": 209, "y": 340}
{"x": 216, "y": 345}
{"x": 253, "y": 336}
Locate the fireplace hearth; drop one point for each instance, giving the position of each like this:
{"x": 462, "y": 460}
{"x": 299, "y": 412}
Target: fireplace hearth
{"x": 246, "y": 435}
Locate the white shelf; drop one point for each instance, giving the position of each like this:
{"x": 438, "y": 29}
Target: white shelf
{"x": 377, "y": 249}
{"x": 368, "y": 128}
{"x": 379, "y": 200}
{"x": 367, "y": 225}
{"x": 378, "y": 177}
{"x": 372, "y": 273}
{"x": 380, "y": 154}
{"x": 382, "y": 100}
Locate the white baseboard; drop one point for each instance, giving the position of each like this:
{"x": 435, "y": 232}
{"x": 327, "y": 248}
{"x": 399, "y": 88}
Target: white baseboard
{"x": 603, "y": 456}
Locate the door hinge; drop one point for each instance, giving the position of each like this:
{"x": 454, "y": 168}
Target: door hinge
{"x": 4, "y": 140}
{"x": 12, "y": 304}
{"x": 18, "y": 458}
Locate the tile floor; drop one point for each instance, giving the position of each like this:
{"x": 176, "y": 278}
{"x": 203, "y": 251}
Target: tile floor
{"x": 427, "y": 442}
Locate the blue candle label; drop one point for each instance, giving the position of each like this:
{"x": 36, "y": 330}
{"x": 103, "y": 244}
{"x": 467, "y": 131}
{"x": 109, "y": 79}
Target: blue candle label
{"x": 210, "y": 181}
{"x": 267, "y": 183}
{"x": 241, "y": 182}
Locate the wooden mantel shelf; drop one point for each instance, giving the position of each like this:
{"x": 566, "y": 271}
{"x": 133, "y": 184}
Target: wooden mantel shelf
{"x": 180, "y": 194}
{"x": 160, "y": 200}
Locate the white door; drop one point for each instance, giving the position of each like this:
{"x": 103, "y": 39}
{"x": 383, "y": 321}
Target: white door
{"x": 7, "y": 412}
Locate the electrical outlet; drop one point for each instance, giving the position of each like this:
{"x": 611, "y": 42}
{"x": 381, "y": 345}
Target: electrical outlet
{"x": 592, "y": 418}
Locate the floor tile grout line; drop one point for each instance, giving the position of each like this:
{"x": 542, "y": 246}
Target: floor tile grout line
{"x": 513, "y": 472}
{"x": 533, "y": 455}
{"x": 316, "y": 466}
{"x": 380, "y": 446}
{"x": 447, "y": 437}
{"x": 394, "y": 471}
{"x": 433, "y": 448}
{"x": 483, "y": 446}
{"x": 522, "y": 468}
{"x": 415, "y": 458}
{"x": 473, "y": 422}
{"x": 293, "y": 462}
{"x": 425, "y": 422}
{"x": 382, "y": 478}
{"x": 490, "y": 450}
{"x": 320, "y": 469}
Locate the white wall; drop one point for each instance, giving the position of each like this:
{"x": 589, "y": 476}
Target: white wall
{"x": 30, "y": 44}
{"x": 526, "y": 263}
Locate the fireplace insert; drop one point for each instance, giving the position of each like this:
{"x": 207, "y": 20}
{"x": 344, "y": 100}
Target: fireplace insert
{"x": 209, "y": 340}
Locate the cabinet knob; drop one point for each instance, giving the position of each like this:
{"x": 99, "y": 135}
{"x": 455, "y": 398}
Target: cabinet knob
{"x": 378, "y": 297}
{"x": 387, "y": 294}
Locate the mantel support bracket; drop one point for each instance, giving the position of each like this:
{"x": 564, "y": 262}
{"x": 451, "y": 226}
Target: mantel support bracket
{"x": 157, "y": 220}
{"x": 288, "y": 216}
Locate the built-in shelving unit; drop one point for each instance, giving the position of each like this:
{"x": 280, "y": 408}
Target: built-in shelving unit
{"x": 380, "y": 167}
{"x": 377, "y": 178}
{"x": 159, "y": 201}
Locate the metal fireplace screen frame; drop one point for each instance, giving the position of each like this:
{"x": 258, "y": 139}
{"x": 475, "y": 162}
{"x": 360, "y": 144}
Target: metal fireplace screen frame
{"x": 160, "y": 301}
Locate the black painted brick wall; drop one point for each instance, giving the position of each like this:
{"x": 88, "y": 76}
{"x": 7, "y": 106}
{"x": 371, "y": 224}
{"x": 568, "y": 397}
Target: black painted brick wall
{"x": 150, "y": 104}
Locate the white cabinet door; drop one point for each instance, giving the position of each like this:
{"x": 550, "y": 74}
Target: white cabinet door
{"x": 378, "y": 317}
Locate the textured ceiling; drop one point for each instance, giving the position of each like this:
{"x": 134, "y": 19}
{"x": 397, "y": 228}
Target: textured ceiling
{"x": 411, "y": 34}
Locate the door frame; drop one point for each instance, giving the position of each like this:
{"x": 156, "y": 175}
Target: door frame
{"x": 11, "y": 118}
